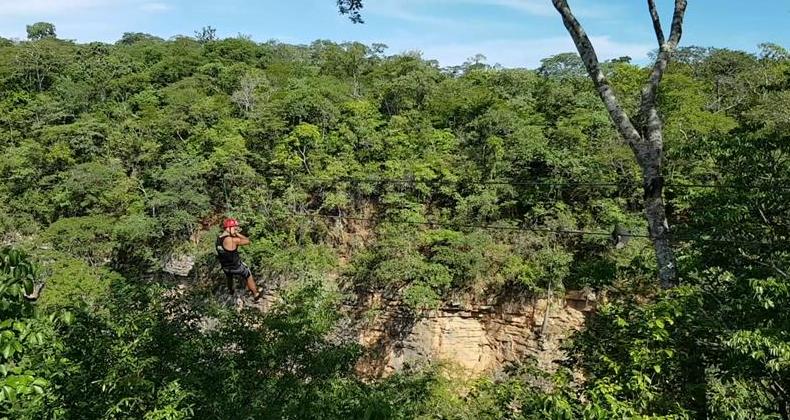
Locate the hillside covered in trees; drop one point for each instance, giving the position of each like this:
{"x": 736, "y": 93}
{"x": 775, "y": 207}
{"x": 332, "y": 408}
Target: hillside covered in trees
{"x": 354, "y": 169}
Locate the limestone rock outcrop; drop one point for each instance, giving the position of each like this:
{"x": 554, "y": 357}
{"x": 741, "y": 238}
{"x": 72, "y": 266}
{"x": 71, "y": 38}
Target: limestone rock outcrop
{"x": 179, "y": 265}
{"x": 477, "y": 338}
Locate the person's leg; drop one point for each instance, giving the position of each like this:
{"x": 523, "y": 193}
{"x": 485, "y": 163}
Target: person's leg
{"x": 251, "y": 286}
{"x": 230, "y": 281}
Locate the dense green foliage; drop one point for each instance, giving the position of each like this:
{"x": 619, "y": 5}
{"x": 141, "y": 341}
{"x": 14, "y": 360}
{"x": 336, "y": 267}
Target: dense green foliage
{"x": 30, "y": 354}
{"x": 115, "y": 156}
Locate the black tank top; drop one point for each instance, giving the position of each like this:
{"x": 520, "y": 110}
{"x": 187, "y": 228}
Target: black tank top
{"x": 227, "y": 259}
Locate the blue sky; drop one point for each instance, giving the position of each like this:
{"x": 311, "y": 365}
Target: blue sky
{"x": 514, "y": 33}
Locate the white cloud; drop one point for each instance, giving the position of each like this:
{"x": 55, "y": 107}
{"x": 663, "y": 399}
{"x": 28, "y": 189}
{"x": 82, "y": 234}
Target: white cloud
{"x": 49, "y": 7}
{"x": 409, "y": 10}
{"x": 544, "y": 8}
{"x": 411, "y": 17}
{"x": 525, "y": 53}
{"x": 43, "y": 8}
{"x": 155, "y": 7}
{"x": 532, "y": 7}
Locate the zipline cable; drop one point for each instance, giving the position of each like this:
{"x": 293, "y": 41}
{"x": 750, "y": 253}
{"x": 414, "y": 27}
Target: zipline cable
{"x": 536, "y": 183}
{"x": 529, "y": 229}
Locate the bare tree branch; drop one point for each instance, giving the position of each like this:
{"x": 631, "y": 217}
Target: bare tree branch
{"x": 677, "y": 23}
{"x": 664, "y": 54}
{"x": 651, "y": 4}
{"x": 590, "y": 59}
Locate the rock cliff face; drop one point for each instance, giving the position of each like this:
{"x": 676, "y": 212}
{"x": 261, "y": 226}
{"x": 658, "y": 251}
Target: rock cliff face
{"x": 179, "y": 265}
{"x": 477, "y": 338}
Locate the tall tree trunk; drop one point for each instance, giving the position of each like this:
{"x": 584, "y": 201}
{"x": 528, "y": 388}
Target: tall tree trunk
{"x": 655, "y": 211}
{"x": 645, "y": 139}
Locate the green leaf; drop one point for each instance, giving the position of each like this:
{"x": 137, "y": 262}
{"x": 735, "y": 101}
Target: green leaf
{"x": 7, "y": 351}
{"x": 67, "y": 317}
{"x": 10, "y": 393}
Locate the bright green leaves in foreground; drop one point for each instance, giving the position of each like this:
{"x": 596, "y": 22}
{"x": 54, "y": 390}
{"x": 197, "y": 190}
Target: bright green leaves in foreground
{"x": 29, "y": 350}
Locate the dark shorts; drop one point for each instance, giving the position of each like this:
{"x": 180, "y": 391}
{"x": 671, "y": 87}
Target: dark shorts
{"x": 241, "y": 271}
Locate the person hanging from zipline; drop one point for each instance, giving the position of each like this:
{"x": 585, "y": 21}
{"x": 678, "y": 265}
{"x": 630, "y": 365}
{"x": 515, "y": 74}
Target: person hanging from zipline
{"x": 228, "y": 244}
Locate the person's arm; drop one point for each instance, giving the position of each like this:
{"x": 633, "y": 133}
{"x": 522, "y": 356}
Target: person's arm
{"x": 240, "y": 239}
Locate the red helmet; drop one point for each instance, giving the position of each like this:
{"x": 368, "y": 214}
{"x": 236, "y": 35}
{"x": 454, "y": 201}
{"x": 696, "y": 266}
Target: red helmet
{"x": 229, "y": 223}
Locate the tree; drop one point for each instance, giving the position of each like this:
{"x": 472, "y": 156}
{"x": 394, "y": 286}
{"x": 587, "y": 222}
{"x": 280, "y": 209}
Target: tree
{"x": 561, "y": 66}
{"x": 206, "y": 34}
{"x": 478, "y": 61}
{"x": 38, "y": 63}
{"x": 253, "y": 89}
{"x": 129, "y": 38}
{"x": 40, "y": 30}
{"x": 643, "y": 134}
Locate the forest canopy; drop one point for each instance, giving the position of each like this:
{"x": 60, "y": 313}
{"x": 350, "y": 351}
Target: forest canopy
{"x": 354, "y": 169}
